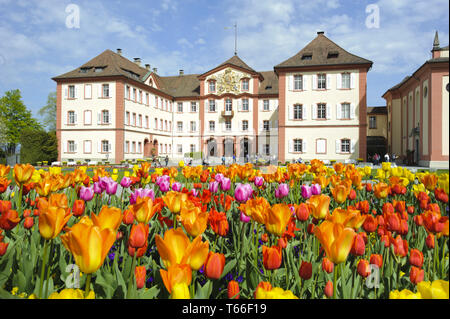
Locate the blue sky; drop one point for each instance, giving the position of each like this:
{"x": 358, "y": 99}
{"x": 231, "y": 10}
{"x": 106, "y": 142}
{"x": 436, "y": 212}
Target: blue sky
{"x": 36, "y": 44}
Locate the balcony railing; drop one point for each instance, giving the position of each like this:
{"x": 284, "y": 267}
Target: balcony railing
{"x": 228, "y": 114}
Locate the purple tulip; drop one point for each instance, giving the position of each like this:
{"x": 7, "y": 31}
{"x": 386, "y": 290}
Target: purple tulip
{"x": 225, "y": 184}
{"x": 244, "y": 218}
{"x": 218, "y": 177}
{"x": 97, "y": 188}
{"x": 125, "y": 182}
{"x": 141, "y": 192}
{"x": 194, "y": 192}
{"x": 243, "y": 192}
{"x": 259, "y": 181}
{"x": 162, "y": 179}
{"x": 282, "y": 191}
{"x": 164, "y": 186}
{"x": 176, "y": 186}
{"x": 213, "y": 187}
{"x": 316, "y": 189}
{"x": 86, "y": 193}
{"x": 306, "y": 191}
{"x": 111, "y": 187}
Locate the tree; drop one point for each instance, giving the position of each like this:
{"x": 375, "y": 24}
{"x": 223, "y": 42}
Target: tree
{"x": 38, "y": 145}
{"x": 16, "y": 117}
{"x": 48, "y": 112}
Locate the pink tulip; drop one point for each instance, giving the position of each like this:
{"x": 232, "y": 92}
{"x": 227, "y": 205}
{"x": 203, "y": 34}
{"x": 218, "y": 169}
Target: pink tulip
{"x": 306, "y": 191}
{"x": 282, "y": 191}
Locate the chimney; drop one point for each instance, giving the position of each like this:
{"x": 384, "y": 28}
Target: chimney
{"x": 147, "y": 66}
{"x": 155, "y": 70}
{"x": 181, "y": 72}
{"x": 436, "y": 46}
{"x": 119, "y": 51}
{"x": 320, "y": 32}
{"x": 137, "y": 61}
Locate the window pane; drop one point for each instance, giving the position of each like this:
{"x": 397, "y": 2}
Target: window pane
{"x": 345, "y": 80}
{"x": 298, "y": 82}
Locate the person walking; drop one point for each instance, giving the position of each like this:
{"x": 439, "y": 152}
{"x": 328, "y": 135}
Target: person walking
{"x": 167, "y": 160}
{"x": 223, "y": 159}
{"x": 386, "y": 157}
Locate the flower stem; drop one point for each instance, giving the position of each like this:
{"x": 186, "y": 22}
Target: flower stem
{"x": 44, "y": 261}
{"x": 48, "y": 269}
{"x": 335, "y": 282}
{"x": 88, "y": 284}
{"x": 130, "y": 281}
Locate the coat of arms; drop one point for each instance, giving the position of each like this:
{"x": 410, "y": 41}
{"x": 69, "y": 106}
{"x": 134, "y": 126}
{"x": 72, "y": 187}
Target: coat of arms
{"x": 228, "y": 82}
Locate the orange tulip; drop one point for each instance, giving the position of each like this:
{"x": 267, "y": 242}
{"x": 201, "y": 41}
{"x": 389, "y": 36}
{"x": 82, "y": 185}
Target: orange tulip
{"x": 430, "y": 181}
{"x": 416, "y": 275}
{"x": 4, "y": 170}
{"x": 322, "y": 180}
{"x": 320, "y": 205}
{"x": 277, "y": 219}
{"x": 78, "y": 207}
{"x": 416, "y": 257}
{"x": 218, "y": 222}
{"x": 340, "y": 192}
{"x": 349, "y": 217}
{"x": 381, "y": 190}
{"x": 370, "y": 224}
{"x": 214, "y": 265}
{"x": 271, "y": 257}
{"x": 109, "y": 217}
{"x": 363, "y": 268}
{"x": 256, "y": 208}
{"x": 144, "y": 209}
{"x": 336, "y": 240}
{"x": 9, "y": 219}
{"x": 89, "y": 245}
{"x": 23, "y": 173}
{"x": 194, "y": 220}
{"x": 53, "y": 215}
{"x": 233, "y": 290}
{"x": 176, "y": 275}
{"x": 174, "y": 200}
{"x": 138, "y": 235}
{"x": 4, "y": 183}
{"x": 139, "y": 274}
{"x": 327, "y": 265}
{"x": 175, "y": 248}
{"x": 376, "y": 259}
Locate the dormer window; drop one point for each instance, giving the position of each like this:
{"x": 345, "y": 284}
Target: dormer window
{"x": 307, "y": 56}
{"x": 84, "y": 70}
{"x": 98, "y": 69}
{"x": 332, "y": 55}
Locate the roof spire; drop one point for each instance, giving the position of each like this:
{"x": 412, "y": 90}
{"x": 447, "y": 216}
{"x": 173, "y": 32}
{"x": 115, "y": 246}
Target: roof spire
{"x": 436, "y": 44}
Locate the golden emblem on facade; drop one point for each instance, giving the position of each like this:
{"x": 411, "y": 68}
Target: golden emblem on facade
{"x": 228, "y": 82}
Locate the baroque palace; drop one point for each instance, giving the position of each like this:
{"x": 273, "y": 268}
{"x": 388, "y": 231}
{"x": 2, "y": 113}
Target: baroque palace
{"x": 312, "y": 105}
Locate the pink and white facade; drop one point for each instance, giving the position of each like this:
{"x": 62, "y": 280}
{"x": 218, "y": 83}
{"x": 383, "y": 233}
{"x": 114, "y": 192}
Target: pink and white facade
{"x": 315, "y": 107}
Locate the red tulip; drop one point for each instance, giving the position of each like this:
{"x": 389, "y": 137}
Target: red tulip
{"x": 327, "y": 265}
{"x": 302, "y": 212}
{"x": 28, "y": 222}
{"x": 358, "y": 247}
{"x": 139, "y": 274}
{"x": 410, "y": 210}
{"x": 305, "y": 270}
{"x": 138, "y": 235}
{"x": 233, "y": 290}
{"x": 430, "y": 241}
{"x": 400, "y": 246}
{"x": 416, "y": 258}
{"x": 363, "y": 268}
{"x": 329, "y": 288}
{"x": 78, "y": 207}
{"x": 128, "y": 217}
{"x": 3, "y": 248}
{"x": 352, "y": 194}
{"x": 370, "y": 224}
{"x": 376, "y": 259}
{"x": 214, "y": 264}
{"x": 271, "y": 257}
{"x": 416, "y": 275}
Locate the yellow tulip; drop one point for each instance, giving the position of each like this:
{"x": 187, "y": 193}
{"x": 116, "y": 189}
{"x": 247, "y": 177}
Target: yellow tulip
{"x": 320, "y": 205}
{"x": 71, "y": 294}
{"x": 347, "y": 217}
{"x": 256, "y": 208}
{"x": 404, "y": 294}
{"x": 176, "y": 275}
{"x": 53, "y": 215}
{"x": 194, "y": 220}
{"x": 89, "y": 245}
{"x": 174, "y": 200}
{"x": 108, "y": 217}
{"x": 386, "y": 166}
{"x": 437, "y": 289}
{"x": 23, "y": 173}
{"x": 180, "y": 291}
{"x": 274, "y": 293}
{"x": 144, "y": 209}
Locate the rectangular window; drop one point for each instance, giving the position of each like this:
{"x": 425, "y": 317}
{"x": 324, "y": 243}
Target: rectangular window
{"x": 127, "y": 118}
{"x": 372, "y": 122}
{"x": 179, "y": 126}
{"x": 245, "y": 85}
{"x": 139, "y": 147}
{"x": 298, "y": 82}
{"x": 179, "y": 148}
{"x": 212, "y": 126}
{"x": 133, "y": 147}
{"x": 161, "y": 127}
{"x": 298, "y": 145}
{"x": 147, "y": 122}
{"x": 147, "y": 98}
{"x": 212, "y": 105}
{"x": 156, "y": 123}
{"x": 321, "y": 146}
{"x": 134, "y": 94}
{"x": 180, "y": 107}
{"x": 71, "y": 117}
{"x": 105, "y": 90}
{"x": 140, "y": 96}
{"x": 71, "y": 146}
{"x": 134, "y": 119}
{"x": 87, "y": 117}
{"x": 266, "y": 125}
{"x": 228, "y": 125}
{"x": 105, "y": 146}
{"x": 87, "y": 147}
{"x": 165, "y": 125}
{"x": 345, "y": 110}
{"x": 71, "y": 91}
{"x": 193, "y": 126}
{"x": 345, "y": 80}
{"x": 298, "y": 112}
{"x": 140, "y": 120}
{"x": 127, "y": 92}
{"x": 266, "y": 105}
{"x": 321, "y": 111}
{"x": 244, "y": 104}
{"x": 345, "y": 146}
{"x": 127, "y": 147}
{"x": 266, "y": 149}
{"x": 212, "y": 86}
{"x": 88, "y": 91}
{"x": 245, "y": 125}
{"x": 228, "y": 105}
{"x": 321, "y": 81}
{"x": 193, "y": 106}
{"x": 156, "y": 101}
{"x": 105, "y": 117}
{"x": 192, "y": 147}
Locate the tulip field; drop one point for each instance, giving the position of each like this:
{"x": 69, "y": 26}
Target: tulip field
{"x": 301, "y": 231}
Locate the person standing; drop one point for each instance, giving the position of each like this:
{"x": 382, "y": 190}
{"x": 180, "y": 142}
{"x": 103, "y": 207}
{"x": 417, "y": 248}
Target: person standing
{"x": 386, "y": 157}
{"x": 167, "y": 160}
